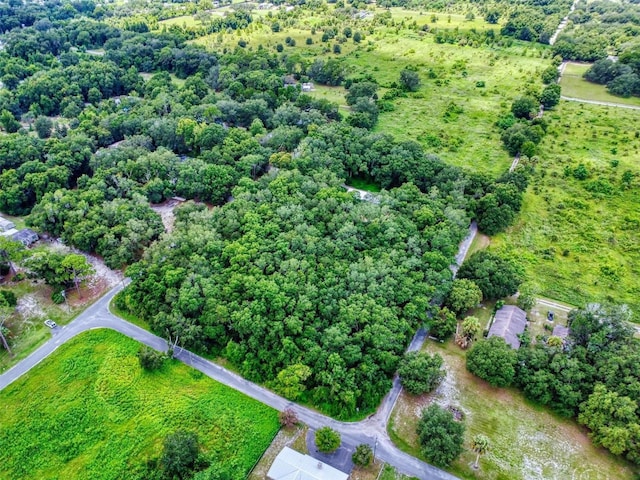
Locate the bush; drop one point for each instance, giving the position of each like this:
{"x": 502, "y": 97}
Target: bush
{"x": 181, "y": 450}
{"x": 9, "y": 297}
{"x": 150, "y": 359}
{"x": 363, "y": 455}
{"x": 440, "y": 436}
{"x": 327, "y": 440}
{"x": 288, "y": 418}
{"x": 420, "y": 372}
{"x": 57, "y": 297}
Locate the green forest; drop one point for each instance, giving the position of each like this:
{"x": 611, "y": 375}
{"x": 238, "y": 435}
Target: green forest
{"x": 272, "y": 266}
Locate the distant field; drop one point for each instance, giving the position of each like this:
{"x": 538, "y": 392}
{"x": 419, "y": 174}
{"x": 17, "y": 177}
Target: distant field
{"x": 476, "y": 83}
{"x": 573, "y": 85}
{"x": 580, "y": 239}
{"x": 91, "y": 412}
{"x": 527, "y": 442}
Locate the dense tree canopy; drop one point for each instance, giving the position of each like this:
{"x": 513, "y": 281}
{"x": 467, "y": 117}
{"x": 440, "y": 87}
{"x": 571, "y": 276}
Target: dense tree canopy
{"x": 496, "y": 275}
{"x": 298, "y": 273}
{"x": 420, "y": 372}
{"x": 493, "y": 360}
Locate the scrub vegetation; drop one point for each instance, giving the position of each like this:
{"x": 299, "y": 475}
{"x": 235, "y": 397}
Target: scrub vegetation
{"x": 90, "y": 410}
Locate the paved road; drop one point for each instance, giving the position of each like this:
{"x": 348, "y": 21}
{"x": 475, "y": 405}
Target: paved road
{"x": 367, "y": 431}
{"x": 464, "y": 247}
{"x": 605, "y": 104}
{"x": 563, "y": 24}
{"x": 373, "y": 430}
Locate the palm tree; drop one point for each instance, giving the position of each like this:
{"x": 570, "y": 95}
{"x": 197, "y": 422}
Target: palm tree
{"x": 480, "y": 445}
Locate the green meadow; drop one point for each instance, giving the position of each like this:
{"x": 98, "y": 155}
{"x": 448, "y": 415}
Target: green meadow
{"x": 574, "y": 86}
{"x": 578, "y": 232}
{"x": 90, "y": 411}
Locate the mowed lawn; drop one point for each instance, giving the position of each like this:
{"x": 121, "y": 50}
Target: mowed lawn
{"x": 90, "y": 412}
{"x": 573, "y": 85}
{"x": 527, "y": 441}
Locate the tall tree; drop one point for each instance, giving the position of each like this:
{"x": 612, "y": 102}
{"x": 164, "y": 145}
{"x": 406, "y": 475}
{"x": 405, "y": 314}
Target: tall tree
{"x": 440, "y": 436}
{"x": 493, "y": 360}
{"x": 77, "y": 268}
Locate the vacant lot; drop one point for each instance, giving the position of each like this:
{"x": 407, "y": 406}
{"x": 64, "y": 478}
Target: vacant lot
{"x": 573, "y": 85}
{"x": 578, "y": 232}
{"x": 90, "y": 411}
{"x": 527, "y": 442}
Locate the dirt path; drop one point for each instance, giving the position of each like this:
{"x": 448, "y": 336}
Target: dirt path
{"x": 604, "y": 104}
{"x": 563, "y": 24}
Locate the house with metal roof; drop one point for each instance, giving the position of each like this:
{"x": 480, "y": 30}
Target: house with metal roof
{"x": 6, "y": 225}
{"x": 509, "y": 322}
{"x": 292, "y": 465}
{"x": 26, "y": 236}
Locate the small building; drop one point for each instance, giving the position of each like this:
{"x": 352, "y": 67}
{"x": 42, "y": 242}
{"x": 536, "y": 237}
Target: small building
{"x": 560, "y": 331}
{"x": 292, "y": 465}
{"x": 6, "y": 225}
{"x": 25, "y": 236}
{"x": 509, "y": 322}
{"x": 308, "y": 87}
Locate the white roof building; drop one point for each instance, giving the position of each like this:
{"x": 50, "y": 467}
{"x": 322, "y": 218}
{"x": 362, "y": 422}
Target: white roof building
{"x": 291, "y": 465}
{"x": 6, "y": 225}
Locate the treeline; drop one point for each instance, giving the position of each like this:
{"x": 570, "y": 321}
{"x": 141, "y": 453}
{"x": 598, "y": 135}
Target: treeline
{"x": 621, "y": 77}
{"x": 598, "y": 28}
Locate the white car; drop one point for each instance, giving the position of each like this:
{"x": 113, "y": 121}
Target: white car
{"x": 50, "y": 323}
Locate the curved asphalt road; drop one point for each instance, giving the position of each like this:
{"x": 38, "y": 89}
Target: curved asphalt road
{"x": 367, "y": 431}
{"x": 372, "y": 430}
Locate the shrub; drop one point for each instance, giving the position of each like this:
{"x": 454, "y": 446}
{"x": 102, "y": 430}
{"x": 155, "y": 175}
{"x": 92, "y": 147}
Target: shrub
{"x": 288, "y": 418}
{"x": 9, "y": 297}
{"x": 57, "y": 297}
{"x": 363, "y": 455}
{"x": 150, "y": 359}
{"x": 327, "y": 440}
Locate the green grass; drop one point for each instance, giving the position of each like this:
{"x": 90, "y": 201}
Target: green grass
{"x": 581, "y": 246}
{"x": 363, "y": 184}
{"x": 390, "y": 473}
{"x": 527, "y": 441}
{"x": 573, "y": 85}
{"x": 182, "y": 21}
{"x": 90, "y": 411}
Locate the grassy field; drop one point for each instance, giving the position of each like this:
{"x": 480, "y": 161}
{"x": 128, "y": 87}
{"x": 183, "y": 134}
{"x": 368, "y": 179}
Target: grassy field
{"x": 90, "y": 411}
{"x": 573, "y": 85}
{"x": 526, "y": 441}
{"x": 579, "y": 239}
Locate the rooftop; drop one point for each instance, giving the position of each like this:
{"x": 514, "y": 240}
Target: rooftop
{"x": 509, "y": 322}
{"x": 292, "y": 465}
